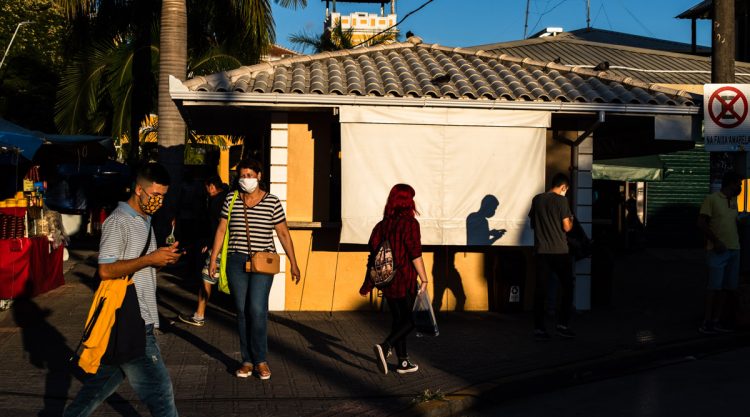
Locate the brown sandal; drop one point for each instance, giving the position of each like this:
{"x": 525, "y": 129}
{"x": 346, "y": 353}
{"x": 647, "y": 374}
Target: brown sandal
{"x": 264, "y": 372}
{"x": 245, "y": 371}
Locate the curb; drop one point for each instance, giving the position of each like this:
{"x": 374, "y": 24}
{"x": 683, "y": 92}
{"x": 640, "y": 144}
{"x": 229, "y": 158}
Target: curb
{"x": 585, "y": 371}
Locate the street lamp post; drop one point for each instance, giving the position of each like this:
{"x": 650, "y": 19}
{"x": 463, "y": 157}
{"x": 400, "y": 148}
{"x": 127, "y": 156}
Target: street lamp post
{"x": 28, "y": 22}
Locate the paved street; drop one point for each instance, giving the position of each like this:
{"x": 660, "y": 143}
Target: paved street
{"x": 322, "y": 363}
{"x": 714, "y": 385}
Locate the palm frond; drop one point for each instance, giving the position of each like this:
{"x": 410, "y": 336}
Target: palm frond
{"x": 81, "y": 89}
{"x": 305, "y": 40}
{"x": 261, "y": 32}
{"x": 215, "y": 60}
{"x": 293, "y": 4}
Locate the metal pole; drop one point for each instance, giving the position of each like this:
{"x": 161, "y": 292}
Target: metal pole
{"x": 694, "y": 41}
{"x": 526, "y": 20}
{"x": 588, "y": 14}
{"x": 12, "y": 38}
{"x": 393, "y": 6}
{"x": 722, "y": 42}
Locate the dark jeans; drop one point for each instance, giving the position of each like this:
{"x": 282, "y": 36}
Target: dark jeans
{"x": 403, "y": 323}
{"x": 147, "y": 375}
{"x": 562, "y": 266}
{"x": 250, "y": 292}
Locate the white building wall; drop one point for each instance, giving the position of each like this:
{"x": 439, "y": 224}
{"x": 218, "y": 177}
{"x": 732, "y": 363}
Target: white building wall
{"x": 278, "y": 181}
{"x": 584, "y": 199}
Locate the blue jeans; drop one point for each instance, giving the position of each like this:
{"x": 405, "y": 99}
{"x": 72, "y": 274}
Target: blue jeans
{"x": 250, "y": 292}
{"x": 723, "y": 269}
{"x": 147, "y": 375}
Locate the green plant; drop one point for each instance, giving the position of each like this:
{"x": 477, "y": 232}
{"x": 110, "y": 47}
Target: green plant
{"x": 429, "y": 395}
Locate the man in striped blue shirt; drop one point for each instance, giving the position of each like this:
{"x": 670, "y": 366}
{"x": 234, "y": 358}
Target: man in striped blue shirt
{"x": 124, "y": 235}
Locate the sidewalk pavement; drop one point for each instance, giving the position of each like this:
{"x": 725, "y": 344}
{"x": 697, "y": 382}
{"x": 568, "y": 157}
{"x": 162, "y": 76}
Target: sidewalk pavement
{"x": 323, "y": 364}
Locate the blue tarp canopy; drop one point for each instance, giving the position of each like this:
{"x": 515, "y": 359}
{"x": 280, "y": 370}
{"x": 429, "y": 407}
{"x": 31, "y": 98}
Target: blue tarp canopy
{"x": 14, "y": 137}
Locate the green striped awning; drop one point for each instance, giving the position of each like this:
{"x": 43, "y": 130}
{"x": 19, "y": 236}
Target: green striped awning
{"x": 642, "y": 168}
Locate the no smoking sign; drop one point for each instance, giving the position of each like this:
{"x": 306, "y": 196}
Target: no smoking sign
{"x": 725, "y": 108}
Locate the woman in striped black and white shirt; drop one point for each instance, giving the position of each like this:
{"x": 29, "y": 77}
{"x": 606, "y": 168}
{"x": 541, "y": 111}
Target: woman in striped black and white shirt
{"x": 251, "y": 290}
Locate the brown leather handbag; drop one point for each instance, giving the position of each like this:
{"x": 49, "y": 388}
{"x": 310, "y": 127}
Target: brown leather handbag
{"x": 260, "y": 262}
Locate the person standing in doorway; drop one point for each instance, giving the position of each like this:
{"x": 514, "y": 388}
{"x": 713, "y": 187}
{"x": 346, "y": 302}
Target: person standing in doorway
{"x": 551, "y": 219}
{"x": 718, "y": 222}
{"x": 124, "y": 235}
{"x": 402, "y": 231}
{"x": 217, "y": 193}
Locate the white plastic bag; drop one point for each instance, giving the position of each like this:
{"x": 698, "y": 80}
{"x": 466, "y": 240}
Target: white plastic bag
{"x": 424, "y": 316}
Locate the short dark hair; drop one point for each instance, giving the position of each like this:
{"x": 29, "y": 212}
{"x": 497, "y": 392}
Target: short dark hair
{"x": 216, "y": 181}
{"x": 249, "y": 163}
{"x": 152, "y": 173}
{"x": 730, "y": 178}
{"x": 559, "y": 179}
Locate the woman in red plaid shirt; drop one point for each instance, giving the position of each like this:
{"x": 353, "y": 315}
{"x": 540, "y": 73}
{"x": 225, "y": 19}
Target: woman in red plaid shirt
{"x": 402, "y": 230}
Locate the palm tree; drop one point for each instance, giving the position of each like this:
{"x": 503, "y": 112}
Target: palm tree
{"x": 256, "y": 28}
{"x": 172, "y": 61}
{"x": 336, "y": 39}
{"x": 112, "y": 77}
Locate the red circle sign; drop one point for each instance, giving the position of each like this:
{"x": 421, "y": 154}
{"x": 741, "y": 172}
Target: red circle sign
{"x": 727, "y": 117}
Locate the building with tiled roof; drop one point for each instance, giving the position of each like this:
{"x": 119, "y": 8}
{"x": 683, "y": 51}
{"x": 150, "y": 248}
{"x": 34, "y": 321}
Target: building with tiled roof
{"x": 337, "y": 129}
{"x": 413, "y": 70}
{"x": 677, "y": 70}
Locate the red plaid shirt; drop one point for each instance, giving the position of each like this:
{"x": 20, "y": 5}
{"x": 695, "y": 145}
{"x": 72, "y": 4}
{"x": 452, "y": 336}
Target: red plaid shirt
{"x": 405, "y": 238}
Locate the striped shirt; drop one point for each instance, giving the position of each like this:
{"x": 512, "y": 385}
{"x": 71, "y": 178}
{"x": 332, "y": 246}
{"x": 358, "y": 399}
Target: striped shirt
{"x": 261, "y": 220}
{"x": 124, "y": 235}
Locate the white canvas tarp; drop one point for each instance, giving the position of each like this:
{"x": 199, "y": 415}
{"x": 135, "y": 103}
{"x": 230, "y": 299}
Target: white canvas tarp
{"x": 475, "y": 167}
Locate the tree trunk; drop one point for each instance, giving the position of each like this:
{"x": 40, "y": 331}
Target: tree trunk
{"x": 171, "y": 134}
{"x": 172, "y": 61}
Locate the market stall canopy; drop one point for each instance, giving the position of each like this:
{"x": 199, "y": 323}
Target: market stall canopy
{"x": 14, "y": 137}
{"x": 89, "y": 149}
{"x": 642, "y": 168}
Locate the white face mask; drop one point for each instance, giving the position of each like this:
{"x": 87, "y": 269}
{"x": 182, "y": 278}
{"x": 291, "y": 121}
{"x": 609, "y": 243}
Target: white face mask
{"x": 248, "y": 185}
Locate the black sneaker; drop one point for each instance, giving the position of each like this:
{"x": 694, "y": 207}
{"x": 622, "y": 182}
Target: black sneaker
{"x": 540, "y": 334}
{"x": 405, "y": 366}
{"x": 381, "y": 354}
{"x": 565, "y": 332}
{"x": 191, "y": 320}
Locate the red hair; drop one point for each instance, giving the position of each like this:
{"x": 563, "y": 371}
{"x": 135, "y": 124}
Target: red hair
{"x": 400, "y": 202}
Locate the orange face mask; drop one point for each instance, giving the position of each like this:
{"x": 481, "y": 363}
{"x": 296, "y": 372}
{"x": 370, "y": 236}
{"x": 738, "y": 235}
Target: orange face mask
{"x": 152, "y": 204}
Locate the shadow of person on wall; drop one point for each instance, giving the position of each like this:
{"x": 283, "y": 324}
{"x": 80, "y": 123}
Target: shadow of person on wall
{"x": 446, "y": 276}
{"x": 478, "y": 231}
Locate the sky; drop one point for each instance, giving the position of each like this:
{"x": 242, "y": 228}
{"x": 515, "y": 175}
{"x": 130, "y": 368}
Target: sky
{"x": 477, "y": 22}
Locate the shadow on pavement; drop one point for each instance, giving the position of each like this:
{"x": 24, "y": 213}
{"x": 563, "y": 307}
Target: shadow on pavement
{"x": 47, "y": 348}
{"x": 320, "y": 342}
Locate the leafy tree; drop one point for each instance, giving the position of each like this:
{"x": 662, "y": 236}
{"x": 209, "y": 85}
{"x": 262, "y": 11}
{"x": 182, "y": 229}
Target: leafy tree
{"x": 29, "y": 75}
